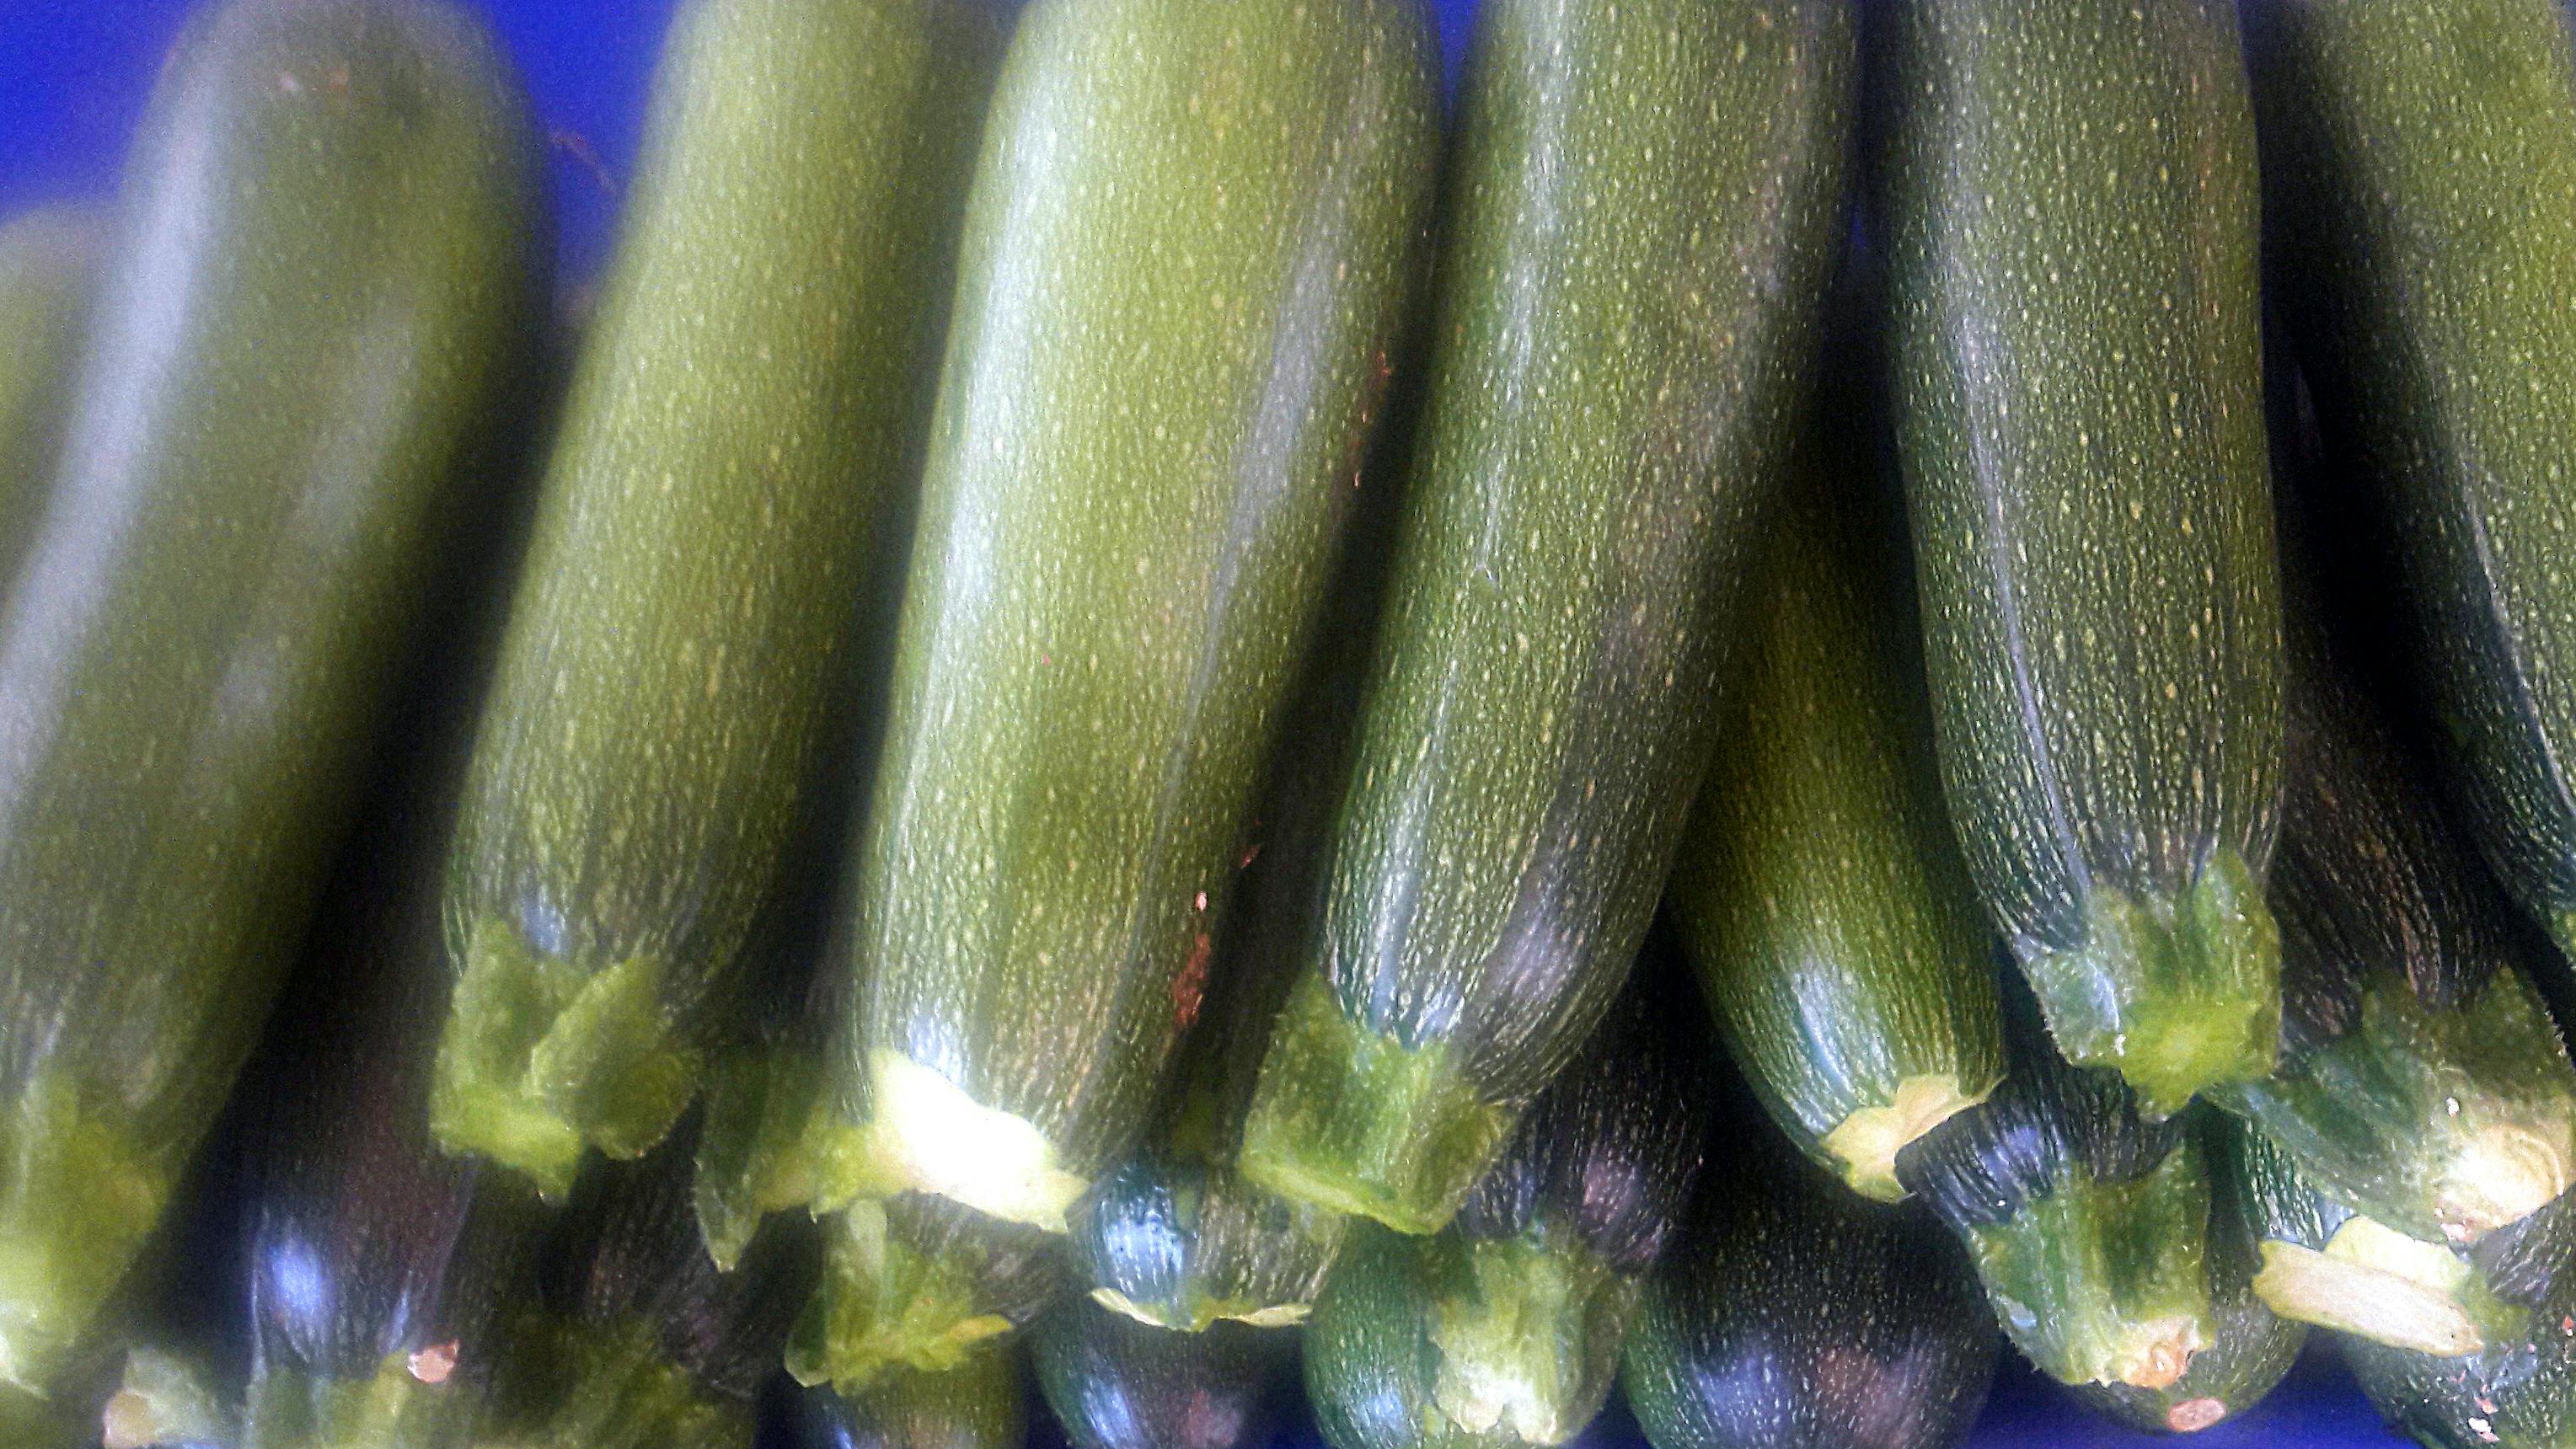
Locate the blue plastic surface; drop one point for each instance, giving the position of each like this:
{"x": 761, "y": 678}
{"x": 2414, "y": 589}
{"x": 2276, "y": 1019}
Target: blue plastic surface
{"x": 73, "y": 75}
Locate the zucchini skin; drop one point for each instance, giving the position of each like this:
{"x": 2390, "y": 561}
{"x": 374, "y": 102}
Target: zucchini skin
{"x": 328, "y": 273}
{"x": 746, "y": 402}
{"x": 1505, "y": 1328}
{"x": 1794, "y": 1314}
{"x": 1170, "y": 346}
{"x": 2255, "y": 1196}
{"x": 49, "y": 262}
{"x": 1116, "y": 1383}
{"x": 2087, "y": 1222}
{"x": 1837, "y": 938}
{"x": 982, "y": 1405}
{"x": 2417, "y": 152}
{"x": 919, "y": 1283}
{"x": 2520, "y": 1392}
{"x": 2072, "y": 219}
{"x": 1639, "y": 233}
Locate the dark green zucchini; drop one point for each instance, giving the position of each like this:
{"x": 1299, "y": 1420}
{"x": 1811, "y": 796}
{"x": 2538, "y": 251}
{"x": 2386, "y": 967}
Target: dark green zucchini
{"x": 747, "y": 398}
{"x": 1191, "y": 237}
{"x": 2519, "y": 1392}
{"x": 921, "y": 1283}
{"x": 639, "y": 1341}
{"x": 326, "y": 290}
{"x": 1836, "y": 935}
{"x": 1115, "y": 1383}
{"x": 49, "y": 259}
{"x": 1790, "y": 1314}
{"x": 2255, "y": 1197}
{"x": 983, "y": 1404}
{"x": 2071, "y": 196}
{"x": 1642, "y": 222}
{"x": 2087, "y": 1222}
{"x": 2417, "y": 152}
{"x": 1504, "y": 1328}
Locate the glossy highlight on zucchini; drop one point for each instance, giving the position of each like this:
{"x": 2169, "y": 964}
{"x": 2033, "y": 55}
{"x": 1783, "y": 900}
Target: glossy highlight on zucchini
{"x": 1115, "y": 1383}
{"x": 2071, "y": 197}
{"x": 326, "y": 289}
{"x": 49, "y": 263}
{"x": 1191, "y": 237}
{"x": 2415, "y": 150}
{"x": 747, "y": 397}
{"x": 1793, "y": 1314}
{"x": 1836, "y": 935}
{"x": 1641, "y": 224}
{"x": 1504, "y": 1329}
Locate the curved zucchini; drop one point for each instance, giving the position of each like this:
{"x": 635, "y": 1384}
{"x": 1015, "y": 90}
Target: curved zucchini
{"x": 1631, "y": 290}
{"x": 327, "y": 278}
{"x": 1115, "y": 1383}
{"x": 49, "y": 260}
{"x": 2071, "y": 194}
{"x": 1791, "y": 1314}
{"x": 2255, "y": 1197}
{"x": 2519, "y": 1391}
{"x": 983, "y": 1404}
{"x": 2087, "y": 1223}
{"x": 2418, "y": 150}
{"x": 1191, "y": 237}
{"x": 744, "y": 403}
{"x": 1504, "y": 1328}
{"x": 1836, "y": 935}
{"x": 2421, "y": 1082}
{"x": 918, "y": 1282}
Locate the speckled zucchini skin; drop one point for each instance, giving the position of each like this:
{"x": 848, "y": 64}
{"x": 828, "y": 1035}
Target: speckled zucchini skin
{"x": 750, "y": 393}
{"x": 1791, "y": 1314}
{"x": 324, "y": 297}
{"x": 1631, "y": 289}
{"x": 2520, "y": 1393}
{"x": 49, "y": 260}
{"x": 2071, "y": 197}
{"x": 1115, "y": 1383}
{"x": 2420, "y": 154}
{"x": 1192, "y": 233}
{"x": 1837, "y": 938}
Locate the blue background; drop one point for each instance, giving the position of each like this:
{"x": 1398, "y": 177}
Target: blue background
{"x": 73, "y": 75}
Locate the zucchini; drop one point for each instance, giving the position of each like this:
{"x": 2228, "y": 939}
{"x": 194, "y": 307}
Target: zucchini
{"x": 1504, "y": 1328}
{"x": 639, "y": 1341}
{"x": 1191, "y": 235}
{"x": 2419, "y": 153}
{"x": 49, "y": 260}
{"x": 1778, "y": 1282}
{"x": 2519, "y": 1392}
{"x": 744, "y": 404}
{"x": 1836, "y": 935}
{"x": 2071, "y": 197}
{"x": 328, "y": 273}
{"x": 921, "y": 1283}
{"x": 2087, "y": 1222}
{"x": 1643, "y": 221}
{"x": 1116, "y": 1383}
{"x": 981, "y": 1406}
{"x": 2255, "y": 1197}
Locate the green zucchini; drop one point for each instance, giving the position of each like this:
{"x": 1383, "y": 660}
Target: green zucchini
{"x": 2087, "y": 1222}
{"x": 920, "y": 1283}
{"x": 1504, "y": 1328}
{"x": 2071, "y": 197}
{"x": 2255, "y": 1198}
{"x": 1836, "y": 935}
{"x": 744, "y": 404}
{"x": 2419, "y": 152}
{"x": 1777, "y": 1283}
{"x": 1192, "y": 233}
{"x": 49, "y": 259}
{"x": 1643, "y": 220}
{"x": 1116, "y": 1383}
{"x": 983, "y": 1405}
{"x": 327, "y": 281}
{"x": 2519, "y": 1391}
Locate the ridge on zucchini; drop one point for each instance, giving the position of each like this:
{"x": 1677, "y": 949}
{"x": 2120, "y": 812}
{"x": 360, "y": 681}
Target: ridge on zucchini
{"x": 2071, "y": 192}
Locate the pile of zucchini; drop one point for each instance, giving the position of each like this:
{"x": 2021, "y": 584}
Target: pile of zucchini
{"x": 1149, "y": 718}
